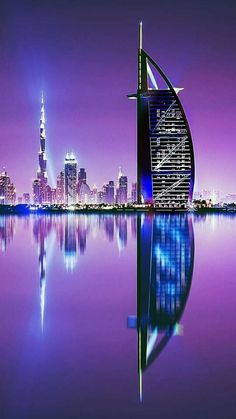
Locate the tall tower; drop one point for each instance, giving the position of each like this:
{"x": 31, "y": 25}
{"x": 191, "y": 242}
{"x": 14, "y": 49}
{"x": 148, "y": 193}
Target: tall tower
{"x": 122, "y": 188}
{"x": 165, "y": 159}
{"x": 70, "y": 179}
{"x": 42, "y": 170}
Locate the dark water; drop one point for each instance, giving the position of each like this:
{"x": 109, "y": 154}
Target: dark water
{"x": 86, "y": 334}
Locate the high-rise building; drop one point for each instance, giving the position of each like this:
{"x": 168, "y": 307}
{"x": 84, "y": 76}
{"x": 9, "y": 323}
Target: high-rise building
{"x": 100, "y": 197}
{"x": 26, "y": 198}
{"x": 122, "y": 189}
{"x": 165, "y": 159}
{"x": 42, "y": 176}
{"x": 109, "y": 192}
{"x": 60, "y": 191}
{"x": 36, "y": 192}
{"x": 11, "y": 194}
{"x": 49, "y": 195}
{"x": 70, "y": 179}
{"x": 7, "y": 189}
{"x": 54, "y": 195}
{"x": 84, "y": 195}
{"x": 84, "y": 191}
{"x": 134, "y": 192}
{"x": 94, "y": 195}
{"x": 82, "y": 177}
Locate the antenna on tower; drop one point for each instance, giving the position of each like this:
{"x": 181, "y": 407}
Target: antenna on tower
{"x": 140, "y": 35}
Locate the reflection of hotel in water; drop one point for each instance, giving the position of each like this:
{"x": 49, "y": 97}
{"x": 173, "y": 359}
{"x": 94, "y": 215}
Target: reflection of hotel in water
{"x": 165, "y": 265}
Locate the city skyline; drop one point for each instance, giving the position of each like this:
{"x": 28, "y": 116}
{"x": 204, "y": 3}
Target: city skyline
{"x": 43, "y": 193}
{"x": 80, "y": 69}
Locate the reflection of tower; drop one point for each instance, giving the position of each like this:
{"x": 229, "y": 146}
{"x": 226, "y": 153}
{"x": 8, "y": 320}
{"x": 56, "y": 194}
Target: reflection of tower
{"x": 109, "y": 226}
{"x": 165, "y": 247}
{"x": 41, "y": 229}
{"x": 134, "y": 226}
{"x": 70, "y": 179}
{"x": 7, "y": 230}
{"x": 70, "y": 243}
{"x": 82, "y": 235}
{"x": 165, "y": 159}
{"x": 121, "y": 225}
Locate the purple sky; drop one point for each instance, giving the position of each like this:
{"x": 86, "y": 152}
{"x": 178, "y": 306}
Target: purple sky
{"x": 83, "y": 55}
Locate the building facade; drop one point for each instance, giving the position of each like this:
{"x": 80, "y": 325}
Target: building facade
{"x": 7, "y": 189}
{"x": 26, "y": 198}
{"x": 70, "y": 179}
{"x": 36, "y": 192}
{"x": 165, "y": 159}
{"x": 122, "y": 190}
{"x": 82, "y": 177}
{"x": 109, "y": 192}
{"x": 134, "y": 192}
{"x": 60, "y": 191}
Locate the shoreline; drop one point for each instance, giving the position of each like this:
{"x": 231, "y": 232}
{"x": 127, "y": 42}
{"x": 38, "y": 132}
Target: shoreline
{"x": 23, "y": 209}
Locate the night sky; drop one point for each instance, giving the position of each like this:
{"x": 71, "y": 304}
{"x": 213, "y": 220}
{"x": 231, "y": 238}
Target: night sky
{"x": 83, "y": 55}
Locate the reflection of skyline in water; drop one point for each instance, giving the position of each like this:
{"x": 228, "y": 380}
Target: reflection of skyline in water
{"x": 165, "y": 246}
{"x": 165, "y": 263}
{"x": 64, "y": 338}
{"x": 71, "y": 233}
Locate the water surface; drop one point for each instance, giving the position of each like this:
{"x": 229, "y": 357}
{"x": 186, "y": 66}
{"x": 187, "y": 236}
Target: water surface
{"x": 87, "y": 332}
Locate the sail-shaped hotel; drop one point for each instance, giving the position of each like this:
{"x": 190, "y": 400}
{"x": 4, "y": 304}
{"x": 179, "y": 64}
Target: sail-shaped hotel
{"x": 165, "y": 159}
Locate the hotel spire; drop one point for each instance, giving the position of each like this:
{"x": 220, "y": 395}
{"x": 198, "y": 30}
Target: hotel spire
{"x": 140, "y": 35}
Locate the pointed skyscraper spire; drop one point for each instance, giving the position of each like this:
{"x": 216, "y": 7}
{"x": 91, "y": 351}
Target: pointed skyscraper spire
{"x": 140, "y": 35}
{"x": 42, "y": 170}
{"x": 42, "y": 119}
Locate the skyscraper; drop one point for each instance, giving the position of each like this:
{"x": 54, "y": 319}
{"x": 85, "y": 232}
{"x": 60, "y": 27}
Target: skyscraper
{"x": 42, "y": 176}
{"x": 7, "y": 189}
{"x": 70, "y": 179}
{"x": 60, "y": 192}
{"x": 26, "y": 198}
{"x": 109, "y": 191}
{"x": 165, "y": 159}
{"x": 94, "y": 195}
{"x": 36, "y": 191}
{"x": 134, "y": 192}
{"x": 82, "y": 177}
{"x": 122, "y": 188}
